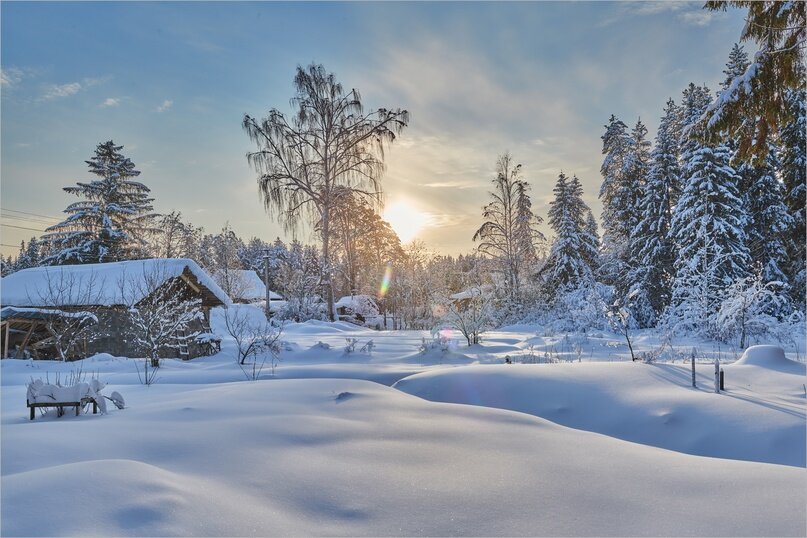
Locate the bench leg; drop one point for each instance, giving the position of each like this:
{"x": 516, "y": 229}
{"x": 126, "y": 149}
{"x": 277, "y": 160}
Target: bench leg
{"x": 33, "y": 413}
{"x": 78, "y": 408}
{"x": 94, "y": 408}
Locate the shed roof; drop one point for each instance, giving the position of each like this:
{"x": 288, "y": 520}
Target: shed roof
{"x": 103, "y": 284}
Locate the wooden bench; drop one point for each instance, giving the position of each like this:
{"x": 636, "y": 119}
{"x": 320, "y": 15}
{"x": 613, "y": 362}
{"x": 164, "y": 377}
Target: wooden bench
{"x": 61, "y": 405}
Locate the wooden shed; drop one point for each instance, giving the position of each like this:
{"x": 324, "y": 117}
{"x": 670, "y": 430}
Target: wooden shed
{"x": 96, "y": 299}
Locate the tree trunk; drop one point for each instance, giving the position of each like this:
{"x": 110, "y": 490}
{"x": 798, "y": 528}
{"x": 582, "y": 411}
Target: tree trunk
{"x": 326, "y": 260}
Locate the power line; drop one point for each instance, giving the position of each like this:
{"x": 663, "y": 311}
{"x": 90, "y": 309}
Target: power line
{"x": 12, "y": 246}
{"x": 22, "y": 227}
{"x": 29, "y": 213}
{"x": 27, "y": 219}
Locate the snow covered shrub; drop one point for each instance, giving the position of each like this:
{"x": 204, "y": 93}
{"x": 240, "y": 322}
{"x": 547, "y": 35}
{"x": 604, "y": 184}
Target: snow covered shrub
{"x": 67, "y": 329}
{"x": 256, "y": 339}
{"x": 470, "y": 312}
{"x": 160, "y": 310}
{"x": 438, "y": 342}
{"x": 748, "y": 309}
{"x": 351, "y": 345}
{"x": 581, "y": 309}
{"x": 368, "y": 347}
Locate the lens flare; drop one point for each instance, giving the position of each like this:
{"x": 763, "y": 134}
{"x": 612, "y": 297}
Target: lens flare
{"x": 382, "y": 291}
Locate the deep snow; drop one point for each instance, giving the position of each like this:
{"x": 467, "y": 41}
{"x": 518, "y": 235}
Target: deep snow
{"x": 320, "y": 449}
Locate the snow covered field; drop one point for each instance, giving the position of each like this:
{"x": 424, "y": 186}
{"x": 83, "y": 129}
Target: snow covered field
{"x": 385, "y": 444}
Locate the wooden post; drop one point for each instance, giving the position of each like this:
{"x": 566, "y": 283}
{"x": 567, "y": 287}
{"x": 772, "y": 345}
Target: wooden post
{"x": 21, "y": 351}
{"x": 692, "y": 361}
{"x": 717, "y": 376}
{"x": 722, "y": 379}
{"x": 5, "y": 344}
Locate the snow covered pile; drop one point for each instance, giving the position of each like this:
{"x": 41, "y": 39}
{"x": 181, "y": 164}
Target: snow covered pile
{"x": 772, "y": 358}
{"x": 649, "y": 404}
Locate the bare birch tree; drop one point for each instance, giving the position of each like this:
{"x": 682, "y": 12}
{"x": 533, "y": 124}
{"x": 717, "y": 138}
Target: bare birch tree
{"x": 328, "y": 144}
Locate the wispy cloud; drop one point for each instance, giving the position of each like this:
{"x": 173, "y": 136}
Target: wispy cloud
{"x": 167, "y": 104}
{"x": 698, "y": 18}
{"x": 56, "y": 91}
{"x": 110, "y": 102}
{"x": 11, "y": 76}
{"x": 687, "y": 12}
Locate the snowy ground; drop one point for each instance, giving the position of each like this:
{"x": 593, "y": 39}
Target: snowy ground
{"x": 329, "y": 447}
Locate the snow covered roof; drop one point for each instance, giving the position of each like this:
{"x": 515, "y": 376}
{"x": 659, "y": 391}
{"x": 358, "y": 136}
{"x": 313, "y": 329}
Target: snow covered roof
{"x": 466, "y": 294}
{"x": 360, "y": 304}
{"x": 102, "y": 283}
{"x": 250, "y": 287}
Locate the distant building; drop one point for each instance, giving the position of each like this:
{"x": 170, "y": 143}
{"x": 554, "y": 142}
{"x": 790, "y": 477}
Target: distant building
{"x": 245, "y": 286}
{"x": 359, "y": 309}
{"x": 101, "y": 295}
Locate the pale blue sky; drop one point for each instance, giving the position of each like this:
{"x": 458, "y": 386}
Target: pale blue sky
{"x": 171, "y": 82}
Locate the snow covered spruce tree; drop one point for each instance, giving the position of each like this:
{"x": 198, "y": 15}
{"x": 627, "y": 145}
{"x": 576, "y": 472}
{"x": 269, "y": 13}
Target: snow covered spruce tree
{"x": 509, "y": 234}
{"x": 616, "y": 144}
{"x": 708, "y": 229}
{"x": 651, "y": 250}
{"x": 113, "y": 219}
{"x": 631, "y": 191}
{"x": 328, "y": 143}
{"x": 793, "y": 169}
{"x": 568, "y": 265}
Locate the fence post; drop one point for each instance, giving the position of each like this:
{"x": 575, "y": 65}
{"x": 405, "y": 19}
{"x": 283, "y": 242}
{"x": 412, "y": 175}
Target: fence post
{"x": 722, "y": 379}
{"x": 692, "y": 362}
{"x": 717, "y": 376}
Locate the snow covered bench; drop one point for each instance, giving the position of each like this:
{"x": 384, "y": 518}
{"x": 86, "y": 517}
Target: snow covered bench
{"x": 61, "y": 405}
{"x": 43, "y": 395}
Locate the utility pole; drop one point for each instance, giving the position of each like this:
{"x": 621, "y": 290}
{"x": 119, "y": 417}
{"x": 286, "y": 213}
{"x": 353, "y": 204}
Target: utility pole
{"x": 266, "y": 280}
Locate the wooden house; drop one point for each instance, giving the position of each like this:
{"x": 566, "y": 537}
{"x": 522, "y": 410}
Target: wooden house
{"x": 96, "y": 299}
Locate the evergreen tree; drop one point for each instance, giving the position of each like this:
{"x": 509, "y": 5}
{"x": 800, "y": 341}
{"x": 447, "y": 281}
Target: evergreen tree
{"x": 629, "y": 212}
{"x": 650, "y": 279}
{"x": 708, "y": 229}
{"x": 110, "y": 224}
{"x": 793, "y": 169}
{"x": 768, "y": 221}
{"x": 591, "y": 242}
{"x": 568, "y": 264}
{"x": 616, "y": 143}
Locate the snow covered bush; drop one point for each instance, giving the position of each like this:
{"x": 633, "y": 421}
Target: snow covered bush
{"x": 256, "y": 340}
{"x": 748, "y": 309}
{"x": 67, "y": 329}
{"x": 162, "y": 318}
{"x": 470, "y": 312}
{"x": 580, "y": 309}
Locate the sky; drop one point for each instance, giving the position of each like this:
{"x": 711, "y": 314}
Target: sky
{"x": 171, "y": 82}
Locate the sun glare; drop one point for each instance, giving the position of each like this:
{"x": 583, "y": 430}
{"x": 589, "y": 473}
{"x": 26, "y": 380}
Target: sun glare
{"x": 405, "y": 219}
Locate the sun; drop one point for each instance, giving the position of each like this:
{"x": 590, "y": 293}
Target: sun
{"x": 405, "y": 219}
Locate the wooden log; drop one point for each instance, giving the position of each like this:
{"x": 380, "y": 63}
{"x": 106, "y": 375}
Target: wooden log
{"x": 21, "y": 351}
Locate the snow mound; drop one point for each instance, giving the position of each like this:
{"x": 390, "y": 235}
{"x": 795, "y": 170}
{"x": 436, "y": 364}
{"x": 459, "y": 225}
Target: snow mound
{"x": 648, "y": 404}
{"x": 128, "y": 498}
{"x": 772, "y": 358}
{"x": 282, "y": 458}
{"x": 436, "y": 356}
